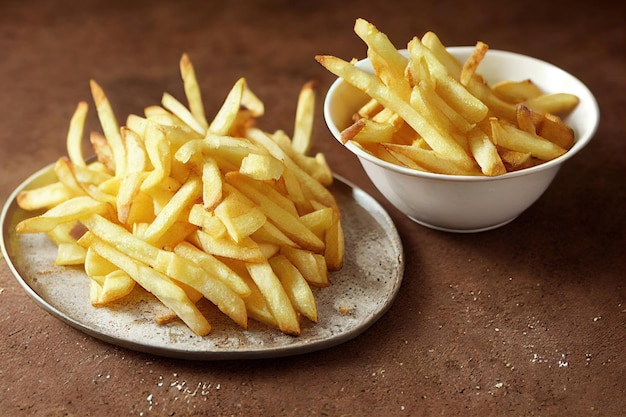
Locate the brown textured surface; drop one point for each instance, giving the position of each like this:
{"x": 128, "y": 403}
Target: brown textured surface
{"x": 529, "y": 319}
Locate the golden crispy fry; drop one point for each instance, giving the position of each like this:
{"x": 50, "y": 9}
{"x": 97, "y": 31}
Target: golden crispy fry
{"x": 297, "y": 288}
{"x": 485, "y": 153}
{"x": 556, "y": 103}
{"x": 277, "y": 299}
{"x": 471, "y": 64}
{"x": 227, "y": 114}
{"x": 75, "y": 134}
{"x": 516, "y": 91}
{"x": 110, "y": 127}
{"x": 303, "y": 126}
{"x": 508, "y": 136}
{"x": 192, "y": 91}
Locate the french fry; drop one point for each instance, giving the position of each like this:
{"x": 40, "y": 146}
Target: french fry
{"x": 309, "y": 264}
{"x": 277, "y": 299}
{"x": 75, "y": 134}
{"x": 510, "y": 137}
{"x": 110, "y": 127}
{"x": 556, "y": 103}
{"x": 285, "y": 220}
{"x": 226, "y": 116}
{"x": 213, "y": 266}
{"x": 46, "y": 196}
{"x": 177, "y": 108}
{"x": 516, "y": 92}
{"x": 297, "y": 288}
{"x": 471, "y": 64}
{"x": 70, "y": 211}
{"x": 111, "y": 287}
{"x": 303, "y": 126}
{"x": 192, "y": 91}
{"x": 485, "y": 153}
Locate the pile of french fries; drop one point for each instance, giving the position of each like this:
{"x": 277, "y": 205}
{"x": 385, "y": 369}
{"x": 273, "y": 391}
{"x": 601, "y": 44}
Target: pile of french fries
{"x": 431, "y": 112}
{"x": 190, "y": 209}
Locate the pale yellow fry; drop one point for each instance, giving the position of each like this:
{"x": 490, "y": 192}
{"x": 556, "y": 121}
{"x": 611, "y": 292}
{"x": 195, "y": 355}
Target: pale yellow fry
{"x": 436, "y": 117}
{"x": 476, "y": 85}
{"x": 297, "y": 288}
{"x": 371, "y": 85}
{"x": 159, "y": 153}
{"x": 305, "y": 116}
{"x": 75, "y": 134}
{"x": 163, "y": 117}
{"x": 430, "y": 96}
{"x": 312, "y": 266}
{"x": 388, "y": 63}
{"x": 180, "y": 201}
{"x": 335, "y": 245}
{"x": 276, "y": 297}
{"x": 69, "y": 211}
{"x": 110, "y": 127}
{"x": 96, "y": 265}
{"x": 251, "y": 102}
{"x": 192, "y": 91}
{"x": 216, "y": 291}
{"x": 318, "y": 221}
{"x": 283, "y": 219}
{"x": 70, "y": 254}
{"x": 295, "y": 192}
{"x": 244, "y": 250}
{"x": 213, "y": 266}
{"x": 431, "y": 160}
{"x": 63, "y": 233}
{"x": 510, "y": 137}
{"x": 556, "y": 103}
{"x": 261, "y": 167}
{"x": 240, "y": 219}
{"x": 211, "y": 183}
{"x": 176, "y": 233}
{"x": 116, "y": 285}
{"x": 46, "y": 196}
{"x": 227, "y": 114}
{"x": 315, "y": 166}
{"x": 485, "y": 153}
{"x": 157, "y": 283}
{"x": 206, "y": 220}
{"x": 269, "y": 233}
{"x": 313, "y": 187}
{"x": 177, "y": 108}
{"x": 447, "y": 85}
{"x": 513, "y": 91}
{"x": 368, "y": 131}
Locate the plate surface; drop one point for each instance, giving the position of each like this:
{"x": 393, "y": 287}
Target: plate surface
{"x": 359, "y": 294}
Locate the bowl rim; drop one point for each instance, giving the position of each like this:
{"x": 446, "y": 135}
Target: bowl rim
{"x": 580, "y": 142}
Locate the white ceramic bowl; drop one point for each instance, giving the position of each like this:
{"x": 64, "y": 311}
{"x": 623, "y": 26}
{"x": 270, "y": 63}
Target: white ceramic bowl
{"x": 468, "y": 203}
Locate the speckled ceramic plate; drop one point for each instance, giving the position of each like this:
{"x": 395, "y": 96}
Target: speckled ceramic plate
{"x": 359, "y": 294}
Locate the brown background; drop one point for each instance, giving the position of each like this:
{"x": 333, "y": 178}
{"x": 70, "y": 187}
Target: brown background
{"x": 525, "y": 320}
